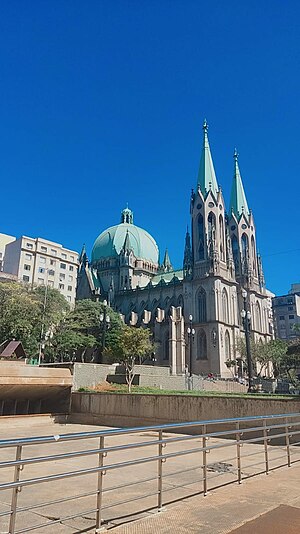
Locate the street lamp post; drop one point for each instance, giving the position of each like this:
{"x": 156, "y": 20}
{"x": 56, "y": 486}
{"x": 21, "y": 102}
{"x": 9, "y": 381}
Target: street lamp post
{"x": 246, "y": 316}
{"x": 42, "y": 340}
{"x": 191, "y": 335}
{"x": 104, "y": 322}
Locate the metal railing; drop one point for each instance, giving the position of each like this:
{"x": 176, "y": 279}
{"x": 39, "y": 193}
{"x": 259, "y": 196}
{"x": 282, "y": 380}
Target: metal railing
{"x": 192, "y": 445}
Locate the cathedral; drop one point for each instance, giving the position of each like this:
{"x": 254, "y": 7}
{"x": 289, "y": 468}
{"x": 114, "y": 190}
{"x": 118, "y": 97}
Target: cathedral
{"x": 194, "y": 312}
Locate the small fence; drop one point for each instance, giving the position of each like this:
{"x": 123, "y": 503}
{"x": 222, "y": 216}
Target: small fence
{"x": 137, "y": 467}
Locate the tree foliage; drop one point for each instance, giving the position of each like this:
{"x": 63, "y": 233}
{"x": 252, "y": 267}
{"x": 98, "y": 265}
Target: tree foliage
{"x": 81, "y": 329}
{"x": 131, "y": 344}
{"x": 24, "y": 310}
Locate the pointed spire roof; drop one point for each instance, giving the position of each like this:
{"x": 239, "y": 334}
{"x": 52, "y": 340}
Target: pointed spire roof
{"x": 127, "y": 245}
{"x": 167, "y": 265}
{"x": 207, "y": 177}
{"x": 83, "y": 255}
{"x": 238, "y": 202}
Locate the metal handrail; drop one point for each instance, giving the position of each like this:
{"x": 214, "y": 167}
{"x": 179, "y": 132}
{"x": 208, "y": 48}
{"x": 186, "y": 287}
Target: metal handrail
{"x": 238, "y": 432}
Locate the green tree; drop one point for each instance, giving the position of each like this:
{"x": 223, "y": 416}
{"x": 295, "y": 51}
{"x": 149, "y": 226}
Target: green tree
{"x": 26, "y": 313}
{"x": 131, "y": 344}
{"x": 81, "y": 329}
{"x": 268, "y": 356}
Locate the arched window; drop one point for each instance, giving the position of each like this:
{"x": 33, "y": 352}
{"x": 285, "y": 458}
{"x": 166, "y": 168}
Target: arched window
{"x": 235, "y": 252}
{"x": 225, "y": 306}
{"x": 211, "y": 227}
{"x": 201, "y": 249}
{"x": 253, "y": 252}
{"x": 245, "y": 246}
{"x": 166, "y": 347}
{"x": 227, "y": 346}
{"x": 201, "y": 298}
{"x": 222, "y": 242}
{"x": 258, "y": 316}
{"x": 201, "y": 346}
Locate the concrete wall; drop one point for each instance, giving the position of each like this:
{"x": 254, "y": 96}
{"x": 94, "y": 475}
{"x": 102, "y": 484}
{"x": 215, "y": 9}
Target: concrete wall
{"x": 89, "y": 375}
{"x": 138, "y": 410}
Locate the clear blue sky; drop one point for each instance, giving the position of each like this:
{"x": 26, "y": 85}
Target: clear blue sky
{"x": 102, "y": 103}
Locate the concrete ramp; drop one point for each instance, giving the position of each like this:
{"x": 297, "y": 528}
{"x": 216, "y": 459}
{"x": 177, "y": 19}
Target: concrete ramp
{"x": 32, "y": 389}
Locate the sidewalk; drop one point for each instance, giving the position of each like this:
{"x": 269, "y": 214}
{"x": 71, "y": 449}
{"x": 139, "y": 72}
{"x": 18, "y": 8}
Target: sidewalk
{"x": 264, "y": 504}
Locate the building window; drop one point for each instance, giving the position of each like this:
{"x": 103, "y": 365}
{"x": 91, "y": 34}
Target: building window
{"x": 291, "y": 316}
{"x": 202, "y": 306}
{"x": 44, "y": 249}
{"x": 29, "y": 245}
{"x": 51, "y": 283}
{"x": 61, "y": 286}
{"x": 222, "y": 242}
{"x": 290, "y": 308}
{"x": 201, "y": 346}
{"x": 64, "y": 256}
{"x": 63, "y": 266}
{"x": 281, "y": 317}
{"x": 51, "y": 272}
{"x": 69, "y": 288}
{"x": 71, "y": 268}
{"x": 70, "y": 278}
{"x": 258, "y": 316}
{"x": 28, "y": 257}
{"x": 27, "y": 267}
{"x": 225, "y": 308}
{"x": 227, "y": 346}
{"x": 62, "y": 276}
{"x": 41, "y": 269}
{"x": 53, "y": 252}
{"x": 25, "y": 278}
{"x": 290, "y": 300}
{"x": 52, "y": 262}
{"x": 235, "y": 252}
{"x": 72, "y": 258}
{"x": 42, "y": 259}
{"x": 201, "y": 248}
{"x": 68, "y": 298}
{"x": 40, "y": 281}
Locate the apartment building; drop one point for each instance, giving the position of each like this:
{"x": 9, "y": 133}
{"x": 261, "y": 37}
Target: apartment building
{"x": 286, "y": 311}
{"x": 37, "y": 261}
{"x": 4, "y": 240}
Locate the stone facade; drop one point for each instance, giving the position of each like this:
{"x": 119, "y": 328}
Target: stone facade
{"x": 220, "y": 261}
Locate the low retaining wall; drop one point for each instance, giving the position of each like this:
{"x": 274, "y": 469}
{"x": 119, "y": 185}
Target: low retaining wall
{"x": 87, "y": 375}
{"x": 124, "y": 410}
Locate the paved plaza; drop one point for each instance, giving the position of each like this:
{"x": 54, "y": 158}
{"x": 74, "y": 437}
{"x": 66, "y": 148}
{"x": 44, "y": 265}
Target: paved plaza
{"x": 272, "y": 501}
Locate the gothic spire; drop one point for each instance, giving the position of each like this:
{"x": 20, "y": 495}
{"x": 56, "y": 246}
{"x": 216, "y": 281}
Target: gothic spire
{"x": 187, "y": 259}
{"x": 238, "y": 202}
{"x": 83, "y": 255}
{"x": 207, "y": 177}
{"x": 127, "y": 245}
{"x": 166, "y": 264}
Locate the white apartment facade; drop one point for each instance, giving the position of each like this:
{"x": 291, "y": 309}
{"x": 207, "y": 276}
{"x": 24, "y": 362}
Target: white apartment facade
{"x": 37, "y": 261}
{"x": 5, "y": 239}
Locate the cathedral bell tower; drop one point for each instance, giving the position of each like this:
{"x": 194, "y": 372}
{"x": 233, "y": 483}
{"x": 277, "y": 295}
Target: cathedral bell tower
{"x": 247, "y": 264}
{"x": 209, "y": 245}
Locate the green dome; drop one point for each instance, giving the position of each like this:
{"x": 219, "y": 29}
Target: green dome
{"x": 111, "y": 241}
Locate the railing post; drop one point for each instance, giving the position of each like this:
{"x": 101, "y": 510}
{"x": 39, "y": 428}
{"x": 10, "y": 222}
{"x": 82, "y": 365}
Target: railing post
{"x": 287, "y": 441}
{"x": 15, "y": 491}
{"x": 160, "y": 472}
{"x": 204, "y": 460}
{"x": 238, "y": 452}
{"x": 100, "y": 486}
{"x": 265, "y": 433}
